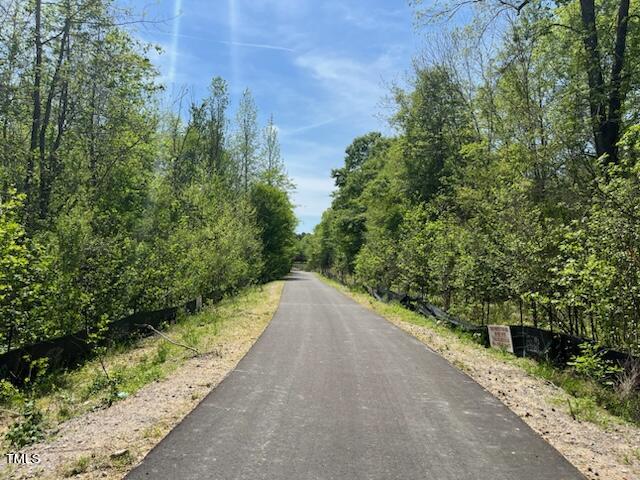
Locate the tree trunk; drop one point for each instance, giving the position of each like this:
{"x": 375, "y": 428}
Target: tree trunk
{"x": 605, "y": 109}
{"x": 36, "y": 113}
{"x": 46, "y": 170}
{"x": 616, "y": 94}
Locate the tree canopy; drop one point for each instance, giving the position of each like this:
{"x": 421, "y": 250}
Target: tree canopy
{"x": 510, "y": 189}
{"x": 110, "y": 204}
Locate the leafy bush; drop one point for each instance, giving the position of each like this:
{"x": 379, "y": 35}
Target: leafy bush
{"x": 28, "y": 429}
{"x": 161, "y": 354}
{"x": 592, "y": 364}
{"x": 9, "y": 394}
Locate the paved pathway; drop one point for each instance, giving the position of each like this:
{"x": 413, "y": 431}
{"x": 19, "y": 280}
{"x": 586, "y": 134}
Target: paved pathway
{"x": 332, "y": 391}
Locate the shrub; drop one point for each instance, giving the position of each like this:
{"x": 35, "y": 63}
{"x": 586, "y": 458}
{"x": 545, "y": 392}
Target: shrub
{"x": 590, "y": 363}
{"x": 28, "y": 429}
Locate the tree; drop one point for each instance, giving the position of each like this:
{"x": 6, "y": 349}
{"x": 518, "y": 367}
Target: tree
{"x": 246, "y": 141}
{"x": 362, "y": 161}
{"x": 273, "y": 171}
{"x": 601, "y": 47}
{"x": 22, "y": 268}
{"x": 513, "y": 191}
{"x": 136, "y": 207}
{"x": 436, "y": 123}
{"x": 217, "y": 105}
{"x": 277, "y": 222}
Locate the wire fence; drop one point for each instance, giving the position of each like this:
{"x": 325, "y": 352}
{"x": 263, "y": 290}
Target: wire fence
{"x": 555, "y": 347}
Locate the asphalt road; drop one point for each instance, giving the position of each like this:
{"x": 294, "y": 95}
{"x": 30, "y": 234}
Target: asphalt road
{"x": 332, "y": 391}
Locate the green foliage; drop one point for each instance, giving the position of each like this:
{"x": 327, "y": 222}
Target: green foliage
{"x": 22, "y": 276}
{"x": 79, "y": 466}
{"x": 161, "y": 354}
{"x": 9, "y": 394}
{"x": 591, "y": 363}
{"x": 436, "y": 123}
{"x": 501, "y": 196}
{"x": 109, "y": 205}
{"x": 276, "y": 221}
{"x": 28, "y": 429}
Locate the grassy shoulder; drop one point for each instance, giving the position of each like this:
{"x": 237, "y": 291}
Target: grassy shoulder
{"x": 566, "y": 410}
{"x": 118, "y": 383}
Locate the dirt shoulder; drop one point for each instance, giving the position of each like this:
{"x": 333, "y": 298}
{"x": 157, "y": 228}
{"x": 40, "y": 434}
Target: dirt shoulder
{"x": 609, "y": 449}
{"x": 108, "y": 442}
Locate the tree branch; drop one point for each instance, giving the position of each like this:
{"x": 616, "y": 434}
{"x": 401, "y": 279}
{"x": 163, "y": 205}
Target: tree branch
{"x": 146, "y": 325}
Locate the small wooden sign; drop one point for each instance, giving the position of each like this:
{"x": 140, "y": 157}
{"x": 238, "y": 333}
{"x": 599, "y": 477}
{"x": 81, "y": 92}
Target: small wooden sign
{"x": 500, "y": 337}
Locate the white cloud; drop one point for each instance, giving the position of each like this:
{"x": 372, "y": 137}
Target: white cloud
{"x": 368, "y": 19}
{"x": 353, "y": 87}
{"x": 313, "y": 195}
{"x": 257, "y": 45}
{"x": 175, "y": 41}
{"x": 286, "y": 132}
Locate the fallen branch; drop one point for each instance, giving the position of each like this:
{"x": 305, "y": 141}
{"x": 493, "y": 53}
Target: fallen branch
{"x": 167, "y": 338}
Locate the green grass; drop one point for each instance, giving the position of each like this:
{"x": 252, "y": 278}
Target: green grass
{"x": 88, "y": 463}
{"x": 79, "y": 466}
{"x": 129, "y": 367}
{"x": 589, "y": 400}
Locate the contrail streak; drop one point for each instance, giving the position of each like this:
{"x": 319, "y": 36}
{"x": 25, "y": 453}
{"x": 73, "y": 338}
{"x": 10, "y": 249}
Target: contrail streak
{"x": 233, "y": 43}
{"x": 175, "y": 42}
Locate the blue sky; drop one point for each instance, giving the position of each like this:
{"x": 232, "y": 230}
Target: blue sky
{"x": 322, "y": 68}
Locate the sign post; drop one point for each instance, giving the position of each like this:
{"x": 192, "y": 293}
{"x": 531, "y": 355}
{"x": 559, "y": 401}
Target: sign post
{"x": 500, "y": 337}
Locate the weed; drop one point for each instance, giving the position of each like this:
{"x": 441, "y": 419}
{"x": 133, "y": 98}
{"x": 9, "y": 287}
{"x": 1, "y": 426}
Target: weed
{"x": 154, "y": 432}
{"x": 28, "y": 429}
{"x": 161, "y": 354}
{"x": 459, "y": 365}
{"x": 122, "y": 459}
{"x": 591, "y": 364}
{"x": 79, "y": 466}
{"x": 628, "y": 381}
{"x": 190, "y": 337}
{"x": 64, "y": 413}
{"x": 9, "y": 395}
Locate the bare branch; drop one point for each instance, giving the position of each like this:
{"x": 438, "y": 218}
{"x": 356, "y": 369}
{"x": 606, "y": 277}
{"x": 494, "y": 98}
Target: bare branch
{"x": 146, "y": 325}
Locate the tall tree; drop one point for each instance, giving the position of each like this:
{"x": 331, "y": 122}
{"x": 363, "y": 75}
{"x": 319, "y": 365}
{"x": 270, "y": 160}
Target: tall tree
{"x": 277, "y": 223}
{"x": 246, "y": 140}
{"x": 606, "y": 90}
{"x": 273, "y": 169}
{"x": 217, "y": 123}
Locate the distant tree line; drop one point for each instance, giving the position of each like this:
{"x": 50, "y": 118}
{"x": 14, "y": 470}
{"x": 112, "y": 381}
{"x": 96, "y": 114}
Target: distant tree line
{"x": 511, "y": 191}
{"x": 108, "y": 204}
